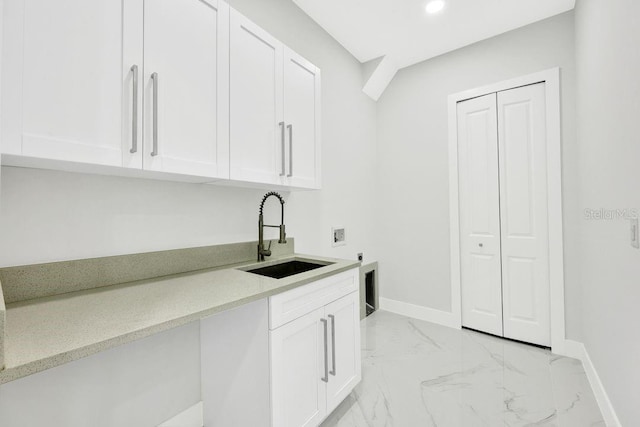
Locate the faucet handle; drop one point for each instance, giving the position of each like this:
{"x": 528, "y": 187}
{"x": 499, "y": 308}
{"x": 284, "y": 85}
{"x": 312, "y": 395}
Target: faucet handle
{"x": 267, "y": 252}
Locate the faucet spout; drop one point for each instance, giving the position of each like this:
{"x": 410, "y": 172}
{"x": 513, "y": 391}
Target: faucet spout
{"x": 262, "y": 252}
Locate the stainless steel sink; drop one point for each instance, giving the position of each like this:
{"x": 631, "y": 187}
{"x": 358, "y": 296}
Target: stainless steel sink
{"x": 286, "y": 269}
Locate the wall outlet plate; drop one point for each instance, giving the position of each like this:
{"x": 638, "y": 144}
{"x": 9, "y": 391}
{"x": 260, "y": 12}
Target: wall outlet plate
{"x": 360, "y": 256}
{"x": 338, "y": 236}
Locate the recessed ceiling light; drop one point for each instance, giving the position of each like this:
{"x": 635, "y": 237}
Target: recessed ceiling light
{"x": 435, "y": 6}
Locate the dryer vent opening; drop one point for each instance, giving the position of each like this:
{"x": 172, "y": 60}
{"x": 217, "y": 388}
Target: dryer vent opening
{"x": 370, "y": 291}
{"x": 369, "y": 298}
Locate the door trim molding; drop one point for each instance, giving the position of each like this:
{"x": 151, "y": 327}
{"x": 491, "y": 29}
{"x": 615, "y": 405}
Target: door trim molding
{"x": 551, "y": 78}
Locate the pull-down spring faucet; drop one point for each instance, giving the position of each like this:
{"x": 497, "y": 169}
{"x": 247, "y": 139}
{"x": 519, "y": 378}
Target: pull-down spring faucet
{"x": 262, "y": 252}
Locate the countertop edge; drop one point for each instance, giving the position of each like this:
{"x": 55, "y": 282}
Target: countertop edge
{"x": 13, "y": 373}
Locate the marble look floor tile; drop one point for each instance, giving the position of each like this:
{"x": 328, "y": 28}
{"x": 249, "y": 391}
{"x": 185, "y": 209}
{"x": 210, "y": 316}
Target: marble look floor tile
{"x": 415, "y": 373}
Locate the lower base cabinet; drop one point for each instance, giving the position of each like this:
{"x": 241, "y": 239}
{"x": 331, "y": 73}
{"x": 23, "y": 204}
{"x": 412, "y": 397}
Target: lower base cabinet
{"x": 285, "y": 361}
{"x": 234, "y": 360}
{"x": 315, "y": 357}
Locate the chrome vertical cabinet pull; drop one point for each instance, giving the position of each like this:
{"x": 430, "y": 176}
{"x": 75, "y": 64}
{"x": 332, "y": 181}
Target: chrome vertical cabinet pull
{"x": 333, "y": 344}
{"x": 134, "y": 110}
{"x": 290, "y": 128}
{"x": 281, "y": 124}
{"x": 154, "y": 79}
{"x": 325, "y": 378}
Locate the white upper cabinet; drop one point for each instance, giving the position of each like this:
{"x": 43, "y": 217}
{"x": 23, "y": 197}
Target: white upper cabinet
{"x": 302, "y": 118}
{"x": 257, "y": 128}
{"x": 172, "y": 89}
{"x": 186, "y": 87}
{"x": 80, "y": 87}
{"x": 275, "y": 110}
{"x": 63, "y": 79}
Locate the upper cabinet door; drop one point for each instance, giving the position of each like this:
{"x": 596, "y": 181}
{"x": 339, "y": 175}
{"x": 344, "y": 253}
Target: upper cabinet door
{"x": 302, "y": 118}
{"x": 64, "y": 79}
{"x": 186, "y": 87}
{"x": 257, "y": 127}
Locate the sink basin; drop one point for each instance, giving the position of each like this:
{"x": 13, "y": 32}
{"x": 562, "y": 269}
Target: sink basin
{"x": 286, "y": 269}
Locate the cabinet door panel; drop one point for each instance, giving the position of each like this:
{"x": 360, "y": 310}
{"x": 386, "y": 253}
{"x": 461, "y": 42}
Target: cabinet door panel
{"x": 302, "y": 116}
{"x": 256, "y": 103}
{"x": 184, "y": 45}
{"x": 298, "y": 394}
{"x": 72, "y": 80}
{"x": 344, "y": 348}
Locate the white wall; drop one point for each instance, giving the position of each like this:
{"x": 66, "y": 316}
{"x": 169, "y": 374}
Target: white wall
{"x": 51, "y": 216}
{"x": 142, "y": 383}
{"x": 413, "y": 158}
{"x": 608, "y": 87}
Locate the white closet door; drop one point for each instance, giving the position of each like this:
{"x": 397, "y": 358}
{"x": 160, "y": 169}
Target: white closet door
{"x": 479, "y": 215}
{"x": 523, "y": 206}
{"x": 185, "y": 50}
{"x": 257, "y": 126}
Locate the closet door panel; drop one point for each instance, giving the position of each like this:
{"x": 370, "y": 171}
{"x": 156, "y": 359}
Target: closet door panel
{"x": 479, "y": 215}
{"x": 523, "y": 207}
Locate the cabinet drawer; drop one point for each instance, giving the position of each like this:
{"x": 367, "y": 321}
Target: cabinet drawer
{"x": 297, "y": 302}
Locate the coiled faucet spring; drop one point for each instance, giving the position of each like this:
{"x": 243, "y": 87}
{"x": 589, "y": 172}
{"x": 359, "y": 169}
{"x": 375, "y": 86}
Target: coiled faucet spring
{"x": 262, "y": 252}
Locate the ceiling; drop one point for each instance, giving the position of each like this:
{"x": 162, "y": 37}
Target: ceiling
{"x": 405, "y": 34}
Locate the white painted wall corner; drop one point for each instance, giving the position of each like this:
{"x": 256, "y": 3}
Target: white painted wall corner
{"x": 190, "y": 417}
{"x": 428, "y": 314}
{"x": 578, "y": 351}
{"x": 380, "y": 78}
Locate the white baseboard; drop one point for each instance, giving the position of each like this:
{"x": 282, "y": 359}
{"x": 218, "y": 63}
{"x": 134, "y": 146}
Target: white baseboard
{"x": 577, "y": 350}
{"x": 191, "y": 417}
{"x": 432, "y": 315}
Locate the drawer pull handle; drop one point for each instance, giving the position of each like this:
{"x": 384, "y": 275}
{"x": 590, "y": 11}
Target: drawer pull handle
{"x": 154, "y": 78}
{"x": 290, "y": 127}
{"x": 281, "y": 124}
{"x": 333, "y": 344}
{"x": 134, "y": 115}
{"x": 325, "y": 378}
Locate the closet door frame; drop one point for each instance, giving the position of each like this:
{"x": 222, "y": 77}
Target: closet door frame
{"x": 551, "y": 78}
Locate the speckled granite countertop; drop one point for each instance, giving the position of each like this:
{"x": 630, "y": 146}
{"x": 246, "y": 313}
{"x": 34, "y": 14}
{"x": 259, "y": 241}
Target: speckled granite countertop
{"x": 47, "y": 332}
